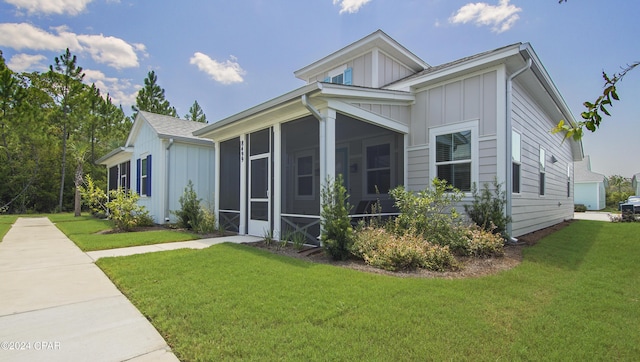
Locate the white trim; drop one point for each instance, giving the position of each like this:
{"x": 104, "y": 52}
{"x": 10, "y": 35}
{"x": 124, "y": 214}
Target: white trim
{"x": 276, "y": 194}
{"x": 242, "y": 227}
{"x": 472, "y": 126}
{"x": 216, "y": 182}
{"x": 336, "y": 72}
{"x": 368, "y": 117}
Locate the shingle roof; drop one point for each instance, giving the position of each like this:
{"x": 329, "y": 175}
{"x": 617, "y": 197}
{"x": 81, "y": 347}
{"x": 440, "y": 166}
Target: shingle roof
{"x": 167, "y": 126}
{"x": 582, "y": 172}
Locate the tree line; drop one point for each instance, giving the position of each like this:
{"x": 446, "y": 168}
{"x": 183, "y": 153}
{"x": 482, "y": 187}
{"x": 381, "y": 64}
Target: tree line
{"x": 52, "y": 129}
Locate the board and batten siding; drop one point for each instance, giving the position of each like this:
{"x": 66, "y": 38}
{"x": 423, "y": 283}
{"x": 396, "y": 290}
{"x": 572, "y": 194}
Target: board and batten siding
{"x": 530, "y": 210}
{"x": 400, "y": 114}
{"x": 195, "y": 163}
{"x": 390, "y": 70}
{"x": 469, "y": 98}
{"x": 146, "y": 143}
{"x": 361, "y": 71}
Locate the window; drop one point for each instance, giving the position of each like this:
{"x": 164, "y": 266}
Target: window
{"x": 515, "y": 162}
{"x": 542, "y": 171}
{"x": 125, "y": 168}
{"x": 340, "y": 75}
{"x": 304, "y": 176}
{"x": 378, "y": 171}
{"x": 143, "y": 176}
{"x": 453, "y": 159}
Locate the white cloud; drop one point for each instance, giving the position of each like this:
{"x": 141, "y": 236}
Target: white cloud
{"x": 109, "y": 50}
{"x": 121, "y": 91}
{"x": 227, "y": 72}
{"x": 350, "y": 6}
{"x": 27, "y": 63}
{"x": 71, "y": 7}
{"x": 500, "y": 17}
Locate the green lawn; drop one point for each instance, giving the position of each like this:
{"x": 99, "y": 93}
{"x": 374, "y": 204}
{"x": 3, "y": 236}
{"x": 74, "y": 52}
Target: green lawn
{"x": 5, "y": 224}
{"x": 83, "y": 231}
{"x": 576, "y": 296}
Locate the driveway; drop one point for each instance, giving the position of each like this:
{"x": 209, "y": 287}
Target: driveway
{"x": 56, "y": 305}
{"x": 592, "y": 215}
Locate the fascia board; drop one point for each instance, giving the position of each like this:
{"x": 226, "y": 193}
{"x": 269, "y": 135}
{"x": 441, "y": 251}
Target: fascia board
{"x": 116, "y": 156}
{"x": 256, "y": 110}
{"x": 438, "y": 75}
{"x": 332, "y": 90}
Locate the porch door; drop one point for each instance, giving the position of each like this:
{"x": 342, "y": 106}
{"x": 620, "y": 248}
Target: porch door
{"x": 259, "y": 183}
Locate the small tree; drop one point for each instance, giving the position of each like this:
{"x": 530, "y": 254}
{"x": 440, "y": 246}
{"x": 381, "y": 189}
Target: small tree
{"x": 93, "y": 197}
{"x": 189, "y": 213}
{"x": 487, "y": 208}
{"x": 337, "y": 233}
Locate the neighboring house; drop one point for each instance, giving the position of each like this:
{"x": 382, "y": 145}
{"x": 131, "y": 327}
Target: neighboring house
{"x": 382, "y": 117}
{"x": 157, "y": 161}
{"x": 635, "y": 184}
{"x": 589, "y": 187}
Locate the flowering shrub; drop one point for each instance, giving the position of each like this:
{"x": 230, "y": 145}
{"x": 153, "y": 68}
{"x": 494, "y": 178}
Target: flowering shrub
{"x": 125, "y": 212}
{"x": 389, "y": 251}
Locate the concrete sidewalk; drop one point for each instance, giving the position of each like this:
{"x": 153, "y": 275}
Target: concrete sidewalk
{"x": 593, "y": 215}
{"x": 56, "y": 305}
{"x": 192, "y": 244}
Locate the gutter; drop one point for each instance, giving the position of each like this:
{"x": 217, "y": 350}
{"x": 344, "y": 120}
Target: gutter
{"x": 166, "y": 199}
{"x": 508, "y": 129}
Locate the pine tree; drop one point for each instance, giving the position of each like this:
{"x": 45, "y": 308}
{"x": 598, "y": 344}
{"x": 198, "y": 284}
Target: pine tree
{"x": 196, "y": 113}
{"x": 151, "y": 98}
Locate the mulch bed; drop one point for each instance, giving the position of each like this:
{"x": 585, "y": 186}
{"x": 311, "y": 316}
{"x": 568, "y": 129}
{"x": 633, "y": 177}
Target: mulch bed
{"x": 471, "y": 267}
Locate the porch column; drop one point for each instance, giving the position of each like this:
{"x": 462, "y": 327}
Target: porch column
{"x": 276, "y": 194}
{"x": 327, "y": 147}
{"x": 216, "y": 182}
{"x": 242, "y": 226}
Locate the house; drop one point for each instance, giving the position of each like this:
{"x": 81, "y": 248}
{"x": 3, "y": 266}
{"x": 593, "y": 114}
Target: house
{"x": 159, "y": 157}
{"x": 589, "y": 186}
{"x": 380, "y": 116}
{"x": 635, "y": 184}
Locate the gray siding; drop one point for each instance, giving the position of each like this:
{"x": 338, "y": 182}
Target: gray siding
{"x": 361, "y": 71}
{"x": 457, "y": 101}
{"x": 390, "y": 70}
{"x": 530, "y": 210}
{"x": 401, "y": 114}
{"x": 466, "y": 99}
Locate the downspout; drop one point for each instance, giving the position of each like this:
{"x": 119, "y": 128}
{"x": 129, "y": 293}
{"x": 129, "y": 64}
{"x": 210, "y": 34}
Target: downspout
{"x": 509, "y": 181}
{"x": 166, "y": 199}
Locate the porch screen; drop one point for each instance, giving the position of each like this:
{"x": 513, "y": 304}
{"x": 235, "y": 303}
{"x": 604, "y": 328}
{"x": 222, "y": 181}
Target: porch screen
{"x": 230, "y": 174}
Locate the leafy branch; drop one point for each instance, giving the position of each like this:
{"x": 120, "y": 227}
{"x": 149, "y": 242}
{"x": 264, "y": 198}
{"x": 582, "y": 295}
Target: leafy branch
{"x": 592, "y": 117}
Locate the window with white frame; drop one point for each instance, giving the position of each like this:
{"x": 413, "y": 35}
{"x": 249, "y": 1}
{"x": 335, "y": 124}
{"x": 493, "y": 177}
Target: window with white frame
{"x": 454, "y": 154}
{"x": 516, "y": 163}
{"x": 143, "y": 177}
{"x": 542, "y": 170}
{"x": 125, "y": 169}
{"x": 304, "y": 176}
{"x": 378, "y": 168}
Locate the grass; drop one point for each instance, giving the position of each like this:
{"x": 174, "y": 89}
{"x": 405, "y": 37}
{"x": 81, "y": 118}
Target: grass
{"x": 5, "y": 224}
{"x": 83, "y": 231}
{"x": 575, "y": 296}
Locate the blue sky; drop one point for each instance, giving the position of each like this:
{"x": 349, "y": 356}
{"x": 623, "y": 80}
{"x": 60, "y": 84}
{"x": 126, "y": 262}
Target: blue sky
{"x": 231, "y": 55}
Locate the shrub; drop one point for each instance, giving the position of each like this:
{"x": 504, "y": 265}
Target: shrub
{"x": 429, "y": 213}
{"x": 189, "y": 208}
{"x": 484, "y": 243}
{"x": 383, "y": 249}
{"x": 125, "y": 212}
{"x": 93, "y": 197}
{"x": 579, "y": 208}
{"x": 625, "y": 216}
{"x": 487, "y": 208}
{"x": 206, "y": 222}
{"x": 337, "y": 233}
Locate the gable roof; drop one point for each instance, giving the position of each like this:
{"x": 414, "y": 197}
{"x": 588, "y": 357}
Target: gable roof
{"x": 582, "y": 172}
{"x": 167, "y": 127}
{"x": 377, "y": 39}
